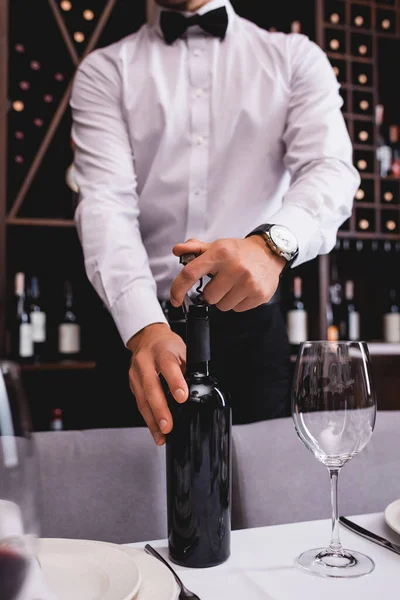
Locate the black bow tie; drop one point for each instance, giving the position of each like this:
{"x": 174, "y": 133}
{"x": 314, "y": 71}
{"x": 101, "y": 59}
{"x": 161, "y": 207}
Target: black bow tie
{"x": 174, "y": 24}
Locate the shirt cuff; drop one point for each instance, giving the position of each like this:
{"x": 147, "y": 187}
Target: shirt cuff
{"x": 135, "y": 309}
{"x": 304, "y": 226}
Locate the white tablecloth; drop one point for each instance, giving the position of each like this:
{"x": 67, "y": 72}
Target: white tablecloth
{"x": 262, "y": 565}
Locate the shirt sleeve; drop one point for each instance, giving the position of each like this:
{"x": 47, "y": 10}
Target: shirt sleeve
{"x": 318, "y": 154}
{"x": 107, "y": 215}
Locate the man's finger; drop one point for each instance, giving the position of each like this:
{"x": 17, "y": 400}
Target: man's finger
{"x": 151, "y": 423}
{"x": 145, "y": 409}
{"x": 191, "y": 246}
{"x": 189, "y": 276}
{"x": 155, "y": 397}
{"x": 220, "y": 286}
{"x": 247, "y": 304}
{"x": 233, "y": 298}
{"x": 172, "y": 373}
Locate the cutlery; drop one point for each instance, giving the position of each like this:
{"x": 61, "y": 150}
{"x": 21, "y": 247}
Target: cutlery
{"x": 185, "y": 594}
{"x": 368, "y": 535}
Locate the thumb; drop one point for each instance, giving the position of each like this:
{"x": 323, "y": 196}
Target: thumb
{"x": 190, "y": 247}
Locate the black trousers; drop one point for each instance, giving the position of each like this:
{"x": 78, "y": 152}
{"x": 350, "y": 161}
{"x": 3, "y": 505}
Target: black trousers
{"x": 250, "y": 358}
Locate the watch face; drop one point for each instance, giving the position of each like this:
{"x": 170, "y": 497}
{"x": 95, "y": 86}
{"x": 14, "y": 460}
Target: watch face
{"x": 284, "y": 239}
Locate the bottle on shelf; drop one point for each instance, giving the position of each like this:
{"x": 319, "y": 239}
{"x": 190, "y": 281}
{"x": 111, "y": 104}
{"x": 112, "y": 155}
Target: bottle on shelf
{"x": 359, "y": 21}
{"x": 69, "y": 331}
{"x": 391, "y": 319}
{"x": 56, "y": 421}
{"x": 383, "y": 150}
{"x": 334, "y": 303}
{"x": 297, "y": 316}
{"x": 198, "y": 457}
{"x": 395, "y": 146}
{"x": 295, "y": 27}
{"x": 334, "y": 12}
{"x": 350, "y": 319}
{"x": 38, "y": 319}
{"x": 21, "y": 329}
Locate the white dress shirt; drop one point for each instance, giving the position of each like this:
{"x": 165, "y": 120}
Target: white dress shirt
{"x": 202, "y": 139}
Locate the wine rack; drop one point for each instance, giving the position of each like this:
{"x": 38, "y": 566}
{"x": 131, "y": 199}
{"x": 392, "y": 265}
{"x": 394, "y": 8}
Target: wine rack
{"x": 350, "y": 32}
{"x": 34, "y": 110}
{"x": 41, "y": 45}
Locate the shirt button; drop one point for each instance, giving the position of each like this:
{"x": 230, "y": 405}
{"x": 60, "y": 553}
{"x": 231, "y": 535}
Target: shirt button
{"x": 200, "y": 140}
{"x": 197, "y": 52}
{"x": 199, "y": 93}
{"x": 197, "y": 192}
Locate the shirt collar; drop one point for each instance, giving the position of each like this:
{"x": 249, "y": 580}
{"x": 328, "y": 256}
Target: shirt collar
{"x": 214, "y": 4}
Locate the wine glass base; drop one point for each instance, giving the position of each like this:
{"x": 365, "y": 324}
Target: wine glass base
{"x": 322, "y": 562}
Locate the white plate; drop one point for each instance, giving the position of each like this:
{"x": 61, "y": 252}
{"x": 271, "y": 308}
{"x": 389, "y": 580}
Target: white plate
{"x": 392, "y": 516}
{"x": 86, "y": 570}
{"x": 157, "y": 582}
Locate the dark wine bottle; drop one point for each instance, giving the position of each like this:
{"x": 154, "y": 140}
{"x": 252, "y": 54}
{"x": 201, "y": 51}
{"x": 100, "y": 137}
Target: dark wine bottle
{"x": 57, "y": 420}
{"x": 391, "y": 319}
{"x": 395, "y": 145}
{"x": 38, "y": 319}
{"x": 350, "y": 322}
{"x": 21, "y": 334}
{"x": 334, "y": 302}
{"x": 383, "y": 149}
{"x": 69, "y": 331}
{"x": 199, "y": 459}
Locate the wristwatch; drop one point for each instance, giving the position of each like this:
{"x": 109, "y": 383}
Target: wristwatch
{"x": 280, "y": 240}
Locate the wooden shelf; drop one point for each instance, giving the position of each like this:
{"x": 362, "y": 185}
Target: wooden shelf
{"x": 351, "y": 57}
{"x": 390, "y": 178}
{"x": 357, "y": 88}
{"x": 374, "y": 348}
{"x": 369, "y": 176}
{"x": 357, "y": 117}
{"x": 362, "y": 30}
{"x": 372, "y": 235}
{"x": 62, "y": 365}
{"x": 33, "y": 222}
{"x": 373, "y": 4}
{"x": 383, "y": 349}
{"x": 380, "y": 206}
{"x": 367, "y": 147}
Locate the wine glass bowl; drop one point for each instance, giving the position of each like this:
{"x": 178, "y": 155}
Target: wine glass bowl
{"x": 18, "y": 483}
{"x": 334, "y": 412}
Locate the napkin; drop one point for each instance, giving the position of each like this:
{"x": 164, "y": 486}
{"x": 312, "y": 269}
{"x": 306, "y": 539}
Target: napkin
{"x": 222, "y": 583}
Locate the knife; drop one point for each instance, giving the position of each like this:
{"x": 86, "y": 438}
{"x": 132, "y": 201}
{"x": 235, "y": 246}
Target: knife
{"x": 368, "y": 535}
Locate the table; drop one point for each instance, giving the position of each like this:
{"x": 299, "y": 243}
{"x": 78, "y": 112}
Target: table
{"x": 261, "y": 566}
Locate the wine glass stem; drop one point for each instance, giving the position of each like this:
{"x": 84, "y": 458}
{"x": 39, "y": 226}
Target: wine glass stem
{"x": 335, "y": 546}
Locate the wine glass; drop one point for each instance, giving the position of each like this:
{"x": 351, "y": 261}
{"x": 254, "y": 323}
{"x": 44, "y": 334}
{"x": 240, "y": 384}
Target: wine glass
{"x": 334, "y": 411}
{"x": 18, "y": 483}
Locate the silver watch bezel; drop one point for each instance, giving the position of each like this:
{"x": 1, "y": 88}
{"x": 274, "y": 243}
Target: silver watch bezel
{"x": 268, "y": 236}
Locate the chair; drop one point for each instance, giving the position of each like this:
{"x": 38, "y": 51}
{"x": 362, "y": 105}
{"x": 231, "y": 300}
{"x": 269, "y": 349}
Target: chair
{"x": 277, "y": 480}
{"x": 109, "y": 484}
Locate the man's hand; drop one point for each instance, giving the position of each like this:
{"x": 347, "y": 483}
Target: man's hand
{"x": 246, "y": 272}
{"x": 157, "y": 350}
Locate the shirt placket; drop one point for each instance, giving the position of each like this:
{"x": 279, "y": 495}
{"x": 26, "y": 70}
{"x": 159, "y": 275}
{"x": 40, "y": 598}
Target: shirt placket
{"x": 199, "y": 103}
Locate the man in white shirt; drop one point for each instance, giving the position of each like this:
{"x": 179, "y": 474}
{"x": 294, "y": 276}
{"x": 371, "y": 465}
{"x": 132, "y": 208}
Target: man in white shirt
{"x": 203, "y": 127}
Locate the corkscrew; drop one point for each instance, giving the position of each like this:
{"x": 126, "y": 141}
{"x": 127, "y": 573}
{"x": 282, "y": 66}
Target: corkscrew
{"x": 184, "y": 260}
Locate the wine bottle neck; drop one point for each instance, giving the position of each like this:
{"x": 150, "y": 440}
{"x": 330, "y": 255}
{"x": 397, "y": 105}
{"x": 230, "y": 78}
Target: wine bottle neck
{"x": 201, "y": 368}
{"x": 21, "y": 304}
{"x": 198, "y": 340}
